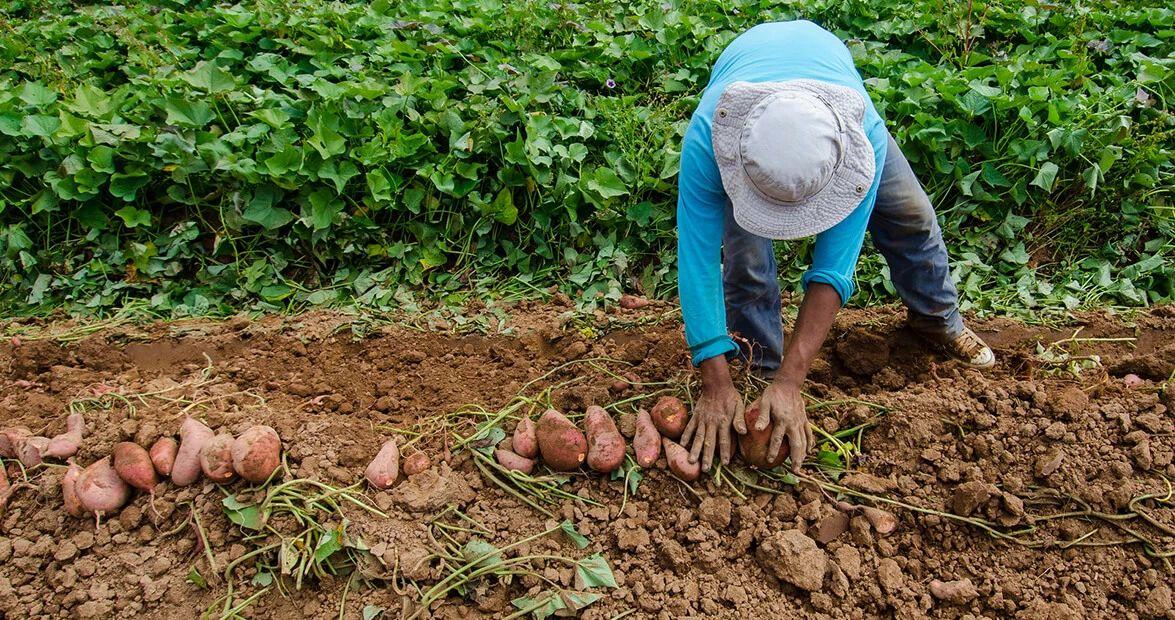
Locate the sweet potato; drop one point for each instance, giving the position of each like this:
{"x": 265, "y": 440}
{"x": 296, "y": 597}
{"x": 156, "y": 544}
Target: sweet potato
{"x": 216, "y": 458}
{"x": 32, "y": 450}
{"x": 133, "y": 465}
{"x": 670, "y": 417}
{"x": 647, "y": 442}
{"x": 512, "y": 461}
{"x": 562, "y": 445}
{"x": 884, "y": 521}
{"x": 385, "y": 467}
{"x": 605, "y": 444}
{"x": 633, "y": 302}
{"x": 163, "y": 455}
{"x": 11, "y": 439}
{"x": 679, "y": 462}
{"x": 416, "y": 463}
{"x": 69, "y": 491}
{"x": 66, "y": 444}
{"x": 525, "y": 439}
{"x": 186, "y": 468}
{"x": 257, "y": 453}
{"x": 100, "y": 489}
{"x": 753, "y": 445}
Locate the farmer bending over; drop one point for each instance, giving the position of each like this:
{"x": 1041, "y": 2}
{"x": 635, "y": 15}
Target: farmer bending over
{"x": 785, "y": 144}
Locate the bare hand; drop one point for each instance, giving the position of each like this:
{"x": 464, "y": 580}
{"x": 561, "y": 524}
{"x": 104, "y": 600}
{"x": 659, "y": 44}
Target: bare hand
{"x": 783, "y": 405}
{"x": 718, "y": 407}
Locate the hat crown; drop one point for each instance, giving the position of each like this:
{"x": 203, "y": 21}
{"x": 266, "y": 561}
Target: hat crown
{"x": 791, "y": 146}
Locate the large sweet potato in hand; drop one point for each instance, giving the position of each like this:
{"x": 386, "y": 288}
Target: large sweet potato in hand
{"x": 605, "y": 443}
{"x": 562, "y": 445}
{"x": 753, "y": 445}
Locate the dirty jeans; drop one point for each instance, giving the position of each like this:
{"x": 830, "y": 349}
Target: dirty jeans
{"x": 905, "y": 231}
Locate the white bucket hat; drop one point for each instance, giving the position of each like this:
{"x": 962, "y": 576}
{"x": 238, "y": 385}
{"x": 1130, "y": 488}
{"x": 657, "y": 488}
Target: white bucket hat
{"x": 793, "y": 156}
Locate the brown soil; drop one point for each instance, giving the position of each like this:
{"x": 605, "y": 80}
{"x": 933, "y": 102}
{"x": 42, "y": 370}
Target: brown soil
{"x": 986, "y": 444}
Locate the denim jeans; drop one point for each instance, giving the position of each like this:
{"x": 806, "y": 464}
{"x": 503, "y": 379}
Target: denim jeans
{"x": 905, "y": 231}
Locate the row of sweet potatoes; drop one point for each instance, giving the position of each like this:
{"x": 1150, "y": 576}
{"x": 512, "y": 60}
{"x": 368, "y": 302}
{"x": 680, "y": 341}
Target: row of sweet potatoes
{"x": 563, "y": 447}
{"x": 107, "y": 484}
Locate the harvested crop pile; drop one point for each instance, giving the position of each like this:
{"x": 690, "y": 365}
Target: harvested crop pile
{"x": 991, "y": 450}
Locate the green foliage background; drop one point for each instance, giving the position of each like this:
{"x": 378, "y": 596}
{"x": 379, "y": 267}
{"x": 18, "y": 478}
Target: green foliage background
{"x": 193, "y": 157}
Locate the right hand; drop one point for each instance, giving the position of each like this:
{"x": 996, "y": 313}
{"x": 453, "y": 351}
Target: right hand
{"x": 719, "y": 408}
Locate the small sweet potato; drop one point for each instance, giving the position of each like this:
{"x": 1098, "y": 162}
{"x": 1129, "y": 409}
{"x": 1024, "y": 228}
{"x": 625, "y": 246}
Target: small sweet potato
{"x": 186, "y": 468}
{"x": 385, "y": 467}
{"x": 257, "y": 453}
{"x": 562, "y": 445}
{"x": 162, "y": 454}
{"x": 525, "y": 439}
{"x": 69, "y": 491}
{"x": 513, "y": 461}
{"x": 884, "y": 521}
{"x": 100, "y": 489}
{"x": 66, "y": 444}
{"x": 753, "y": 445}
{"x": 633, "y": 302}
{"x": 416, "y": 463}
{"x": 11, "y": 439}
{"x": 670, "y": 416}
{"x": 216, "y": 458}
{"x": 605, "y": 443}
{"x": 32, "y": 451}
{"x": 679, "y": 462}
{"x": 647, "y": 441}
{"x": 133, "y": 465}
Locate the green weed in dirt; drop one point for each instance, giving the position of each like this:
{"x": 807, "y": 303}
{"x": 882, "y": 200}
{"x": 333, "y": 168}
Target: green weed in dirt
{"x": 200, "y": 156}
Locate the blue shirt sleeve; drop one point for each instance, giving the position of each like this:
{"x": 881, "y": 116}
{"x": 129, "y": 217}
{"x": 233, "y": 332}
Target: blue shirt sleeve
{"x": 701, "y": 214}
{"x": 834, "y": 259}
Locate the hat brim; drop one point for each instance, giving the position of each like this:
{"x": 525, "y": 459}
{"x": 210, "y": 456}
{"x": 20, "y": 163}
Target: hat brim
{"x": 763, "y": 216}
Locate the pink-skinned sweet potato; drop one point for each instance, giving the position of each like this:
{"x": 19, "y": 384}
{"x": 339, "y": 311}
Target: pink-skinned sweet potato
{"x": 416, "y": 463}
{"x": 257, "y": 453}
{"x": 69, "y": 491}
{"x": 526, "y": 439}
{"x": 11, "y": 439}
{"x": 752, "y": 446}
{"x": 133, "y": 465}
{"x": 32, "y": 451}
{"x": 384, "y": 469}
{"x": 679, "y": 462}
{"x": 670, "y": 416}
{"x": 562, "y": 445}
{"x": 186, "y": 468}
{"x": 66, "y": 444}
{"x": 163, "y": 453}
{"x": 647, "y": 441}
{"x": 605, "y": 443}
{"x": 99, "y": 488}
{"x": 216, "y": 458}
{"x": 513, "y": 461}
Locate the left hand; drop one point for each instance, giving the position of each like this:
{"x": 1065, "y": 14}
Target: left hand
{"x": 783, "y": 405}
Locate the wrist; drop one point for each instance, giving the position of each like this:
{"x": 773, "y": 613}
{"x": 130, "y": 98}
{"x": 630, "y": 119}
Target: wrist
{"x": 715, "y": 374}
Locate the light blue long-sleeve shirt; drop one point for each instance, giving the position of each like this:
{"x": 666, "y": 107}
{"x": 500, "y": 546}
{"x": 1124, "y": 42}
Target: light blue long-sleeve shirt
{"x": 772, "y": 52}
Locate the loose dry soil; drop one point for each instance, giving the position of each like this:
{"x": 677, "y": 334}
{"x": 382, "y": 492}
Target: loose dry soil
{"x": 991, "y": 445}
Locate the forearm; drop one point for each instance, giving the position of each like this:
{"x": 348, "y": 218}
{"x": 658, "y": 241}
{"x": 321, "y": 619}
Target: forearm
{"x": 817, "y": 312}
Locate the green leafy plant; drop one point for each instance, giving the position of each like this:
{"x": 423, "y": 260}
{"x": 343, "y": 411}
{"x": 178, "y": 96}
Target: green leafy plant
{"x": 198, "y": 157}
